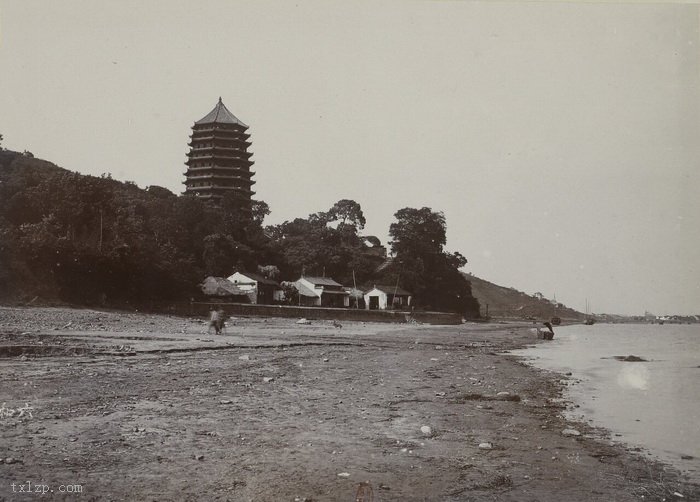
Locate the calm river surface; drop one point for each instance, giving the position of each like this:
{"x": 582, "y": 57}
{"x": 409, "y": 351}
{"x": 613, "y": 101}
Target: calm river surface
{"x": 654, "y": 404}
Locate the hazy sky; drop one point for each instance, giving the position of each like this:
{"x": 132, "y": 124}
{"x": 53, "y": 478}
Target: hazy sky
{"x": 561, "y": 140}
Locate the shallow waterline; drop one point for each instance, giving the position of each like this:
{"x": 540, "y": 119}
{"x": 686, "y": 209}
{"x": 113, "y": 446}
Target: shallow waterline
{"x": 652, "y": 404}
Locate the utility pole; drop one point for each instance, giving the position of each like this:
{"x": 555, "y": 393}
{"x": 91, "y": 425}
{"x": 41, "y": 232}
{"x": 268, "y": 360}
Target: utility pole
{"x": 354, "y": 284}
{"x": 393, "y": 300}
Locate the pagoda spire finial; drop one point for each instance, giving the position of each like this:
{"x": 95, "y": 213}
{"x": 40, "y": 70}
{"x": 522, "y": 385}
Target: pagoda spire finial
{"x": 222, "y": 115}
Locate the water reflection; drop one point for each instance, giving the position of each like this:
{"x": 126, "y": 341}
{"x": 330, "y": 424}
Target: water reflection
{"x": 634, "y": 376}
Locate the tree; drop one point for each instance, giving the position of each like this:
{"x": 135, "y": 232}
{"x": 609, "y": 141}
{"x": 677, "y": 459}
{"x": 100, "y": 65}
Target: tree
{"x": 422, "y": 266}
{"x": 158, "y": 191}
{"x": 89, "y": 240}
{"x": 347, "y": 211}
{"x": 291, "y": 293}
{"x": 418, "y": 231}
{"x": 222, "y": 255}
{"x": 269, "y": 271}
{"x": 259, "y": 210}
{"x": 316, "y": 246}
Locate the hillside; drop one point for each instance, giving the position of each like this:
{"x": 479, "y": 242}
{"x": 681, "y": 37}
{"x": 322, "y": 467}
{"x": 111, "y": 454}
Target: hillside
{"x": 509, "y": 303}
{"x": 75, "y": 239}
{"x": 78, "y": 239}
{"x": 85, "y": 240}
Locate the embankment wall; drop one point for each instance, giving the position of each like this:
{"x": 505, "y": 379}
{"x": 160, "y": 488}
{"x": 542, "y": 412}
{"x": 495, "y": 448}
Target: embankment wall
{"x": 241, "y": 309}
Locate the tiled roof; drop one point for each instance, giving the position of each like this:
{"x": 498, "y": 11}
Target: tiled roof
{"x": 304, "y": 291}
{"x": 392, "y": 290}
{"x": 218, "y": 286}
{"x": 221, "y": 115}
{"x": 259, "y": 278}
{"x": 321, "y": 281}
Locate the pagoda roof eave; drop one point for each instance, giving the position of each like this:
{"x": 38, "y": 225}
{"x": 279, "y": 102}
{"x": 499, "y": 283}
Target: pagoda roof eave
{"x": 221, "y": 115}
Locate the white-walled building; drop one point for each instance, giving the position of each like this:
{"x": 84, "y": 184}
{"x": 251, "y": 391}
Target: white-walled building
{"x": 321, "y": 292}
{"x": 259, "y": 289}
{"x": 386, "y": 297}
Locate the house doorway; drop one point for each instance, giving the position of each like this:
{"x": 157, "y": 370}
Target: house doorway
{"x": 374, "y": 303}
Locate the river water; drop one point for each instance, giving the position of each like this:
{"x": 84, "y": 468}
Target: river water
{"x": 653, "y": 404}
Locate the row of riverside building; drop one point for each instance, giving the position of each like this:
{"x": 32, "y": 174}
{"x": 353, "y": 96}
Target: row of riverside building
{"x": 247, "y": 287}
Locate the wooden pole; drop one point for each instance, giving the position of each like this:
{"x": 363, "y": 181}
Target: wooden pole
{"x": 393, "y": 300}
{"x": 354, "y": 284}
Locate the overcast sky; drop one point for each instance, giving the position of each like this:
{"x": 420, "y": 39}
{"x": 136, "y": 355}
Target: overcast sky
{"x": 561, "y": 140}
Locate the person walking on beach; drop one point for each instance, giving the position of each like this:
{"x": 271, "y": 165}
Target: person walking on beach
{"x": 216, "y": 321}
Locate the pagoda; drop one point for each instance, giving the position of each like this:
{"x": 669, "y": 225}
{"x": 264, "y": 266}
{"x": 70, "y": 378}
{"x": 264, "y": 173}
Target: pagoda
{"x": 219, "y": 162}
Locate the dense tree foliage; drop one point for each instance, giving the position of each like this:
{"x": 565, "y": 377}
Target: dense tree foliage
{"x": 326, "y": 243}
{"x": 422, "y": 266}
{"x": 347, "y": 212}
{"x": 97, "y": 241}
{"x": 89, "y": 240}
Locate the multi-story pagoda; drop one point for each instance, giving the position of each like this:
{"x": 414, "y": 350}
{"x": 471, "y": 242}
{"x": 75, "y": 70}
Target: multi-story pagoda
{"x": 219, "y": 162}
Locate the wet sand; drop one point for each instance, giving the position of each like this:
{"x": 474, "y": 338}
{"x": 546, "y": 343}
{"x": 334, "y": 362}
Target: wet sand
{"x": 146, "y": 407}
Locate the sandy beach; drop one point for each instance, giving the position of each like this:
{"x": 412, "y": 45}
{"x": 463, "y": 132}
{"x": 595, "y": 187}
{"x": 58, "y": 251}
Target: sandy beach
{"x": 129, "y": 406}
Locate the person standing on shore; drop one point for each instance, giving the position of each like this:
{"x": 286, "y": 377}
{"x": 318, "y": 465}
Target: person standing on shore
{"x": 546, "y": 334}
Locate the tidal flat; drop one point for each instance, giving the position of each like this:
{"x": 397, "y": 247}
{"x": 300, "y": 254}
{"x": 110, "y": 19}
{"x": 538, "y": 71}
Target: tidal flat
{"x": 132, "y": 406}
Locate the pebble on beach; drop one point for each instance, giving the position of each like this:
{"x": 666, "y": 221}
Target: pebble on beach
{"x": 570, "y": 432}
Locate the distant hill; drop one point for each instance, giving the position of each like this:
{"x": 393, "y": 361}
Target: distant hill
{"x": 510, "y": 303}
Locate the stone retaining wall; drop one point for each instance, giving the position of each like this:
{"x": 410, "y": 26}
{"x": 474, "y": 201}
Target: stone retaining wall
{"x": 241, "y": 309}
